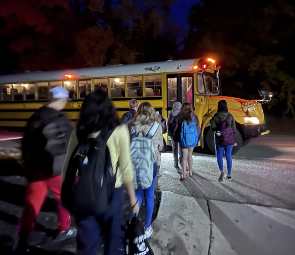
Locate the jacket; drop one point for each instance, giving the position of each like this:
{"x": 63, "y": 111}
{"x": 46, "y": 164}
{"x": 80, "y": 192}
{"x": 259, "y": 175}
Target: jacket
{"x": 128, "y": 117}
{"x": 45, "y": 143}
{"x": 177, "y": 125}
{"x": 215, "y": 121}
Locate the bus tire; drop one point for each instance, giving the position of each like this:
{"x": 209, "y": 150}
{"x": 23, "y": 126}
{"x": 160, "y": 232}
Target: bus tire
{"x": 211, "y": 145}
{"x": 246, "y": 142}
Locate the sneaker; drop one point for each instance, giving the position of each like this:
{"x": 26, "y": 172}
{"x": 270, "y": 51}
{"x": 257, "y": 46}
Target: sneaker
{"x": 176, "y": 165}
{"x": 148, "y": 232}
{"x": 220, "y": 178}
{"x": 228, "y": 178}
{"x": 70, "y": 232}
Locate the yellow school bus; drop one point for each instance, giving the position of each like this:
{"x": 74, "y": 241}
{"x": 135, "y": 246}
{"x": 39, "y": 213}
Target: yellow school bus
{"x": 160, "y": 83}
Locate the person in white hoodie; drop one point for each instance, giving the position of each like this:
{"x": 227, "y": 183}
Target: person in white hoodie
{"x": 170, "y": 127}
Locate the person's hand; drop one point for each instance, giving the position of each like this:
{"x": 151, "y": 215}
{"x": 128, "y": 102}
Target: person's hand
{"x": 235, "y": 144}
{"x": 135, "y": 208}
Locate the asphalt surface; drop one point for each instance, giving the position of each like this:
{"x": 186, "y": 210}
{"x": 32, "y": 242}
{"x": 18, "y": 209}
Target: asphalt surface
{"x": 263, "y": 174}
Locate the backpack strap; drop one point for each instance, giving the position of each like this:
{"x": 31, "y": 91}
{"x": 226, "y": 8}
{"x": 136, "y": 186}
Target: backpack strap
{"x": 153, "y": 130}
{"x": 132, "y": 132}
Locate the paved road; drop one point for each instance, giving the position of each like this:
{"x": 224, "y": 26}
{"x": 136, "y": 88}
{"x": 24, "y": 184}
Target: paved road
{"x": 263, "y": 172}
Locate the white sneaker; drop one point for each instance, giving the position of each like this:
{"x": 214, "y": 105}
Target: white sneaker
{"x": 148, "y": 232}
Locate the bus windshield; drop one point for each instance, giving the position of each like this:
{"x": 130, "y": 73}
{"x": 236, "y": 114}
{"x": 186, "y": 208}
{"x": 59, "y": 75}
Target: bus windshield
{"x": 207, "y": 83}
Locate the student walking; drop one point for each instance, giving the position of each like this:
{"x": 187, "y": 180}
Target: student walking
{"x": 44, "y": 148}
{"x": 147, "y": 123}
{"x": 128, "y": 116}
{"x": 171, "y": 129}
{"x": 224, "y": 126}
{"x": 187, "y": 132}
{"x": 98, "y": 122}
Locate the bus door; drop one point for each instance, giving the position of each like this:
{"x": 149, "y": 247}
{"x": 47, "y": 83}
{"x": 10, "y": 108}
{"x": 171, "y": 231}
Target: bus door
{"x": 180, "y": 89}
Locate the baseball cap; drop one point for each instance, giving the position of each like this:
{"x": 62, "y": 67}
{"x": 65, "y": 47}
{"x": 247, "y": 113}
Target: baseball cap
{"x": 59, "y": 92}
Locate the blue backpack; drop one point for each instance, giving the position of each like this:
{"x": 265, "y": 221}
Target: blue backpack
{"x": 189, "y": 134}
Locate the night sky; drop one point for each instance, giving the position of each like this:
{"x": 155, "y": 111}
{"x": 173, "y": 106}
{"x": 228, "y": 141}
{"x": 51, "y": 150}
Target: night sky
{"x": 180, "y": 10}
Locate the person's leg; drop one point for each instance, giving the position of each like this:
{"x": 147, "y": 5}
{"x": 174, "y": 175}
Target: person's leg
{"x": 180, "y": 152}
{"x": 139, "y": 195}
{"x": 35, "y": 196}
{"x": 219, "y": 151}
{"x": 228, "y": 152}
{"x": 112, "y": 224}
{"x": 64, "y": 219}
{"x": 175, "y": 151}
{"x": 184, "y": 161}
{"x": 88, "y": 236}
{"x": 159, "y": 166}
{"x": 190, "y": 160}
{"x": 149, "y": 203}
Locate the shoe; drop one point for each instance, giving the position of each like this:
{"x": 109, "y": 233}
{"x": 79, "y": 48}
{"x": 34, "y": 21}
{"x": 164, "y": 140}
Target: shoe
{"x": 228, "y": 178}
{"x": 70, "y": 232}
{"x": 20, "y": 246}
{"x": 148, "y": 232}
{"x": 220, "y": 178}
{"x": 176, "y": 165}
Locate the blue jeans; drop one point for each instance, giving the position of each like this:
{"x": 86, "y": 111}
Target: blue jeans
{"x": 93, "y": 228}
{"x": 148, "y": 194}
{"x": 176, "y": 151}
{"x": 220, "y": 150}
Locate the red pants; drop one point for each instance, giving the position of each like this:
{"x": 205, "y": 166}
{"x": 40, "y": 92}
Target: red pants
{"x": 35, "y": 197}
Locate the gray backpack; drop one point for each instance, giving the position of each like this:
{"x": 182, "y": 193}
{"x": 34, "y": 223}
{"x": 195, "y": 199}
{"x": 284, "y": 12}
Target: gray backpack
{"x": 143, "y": 157}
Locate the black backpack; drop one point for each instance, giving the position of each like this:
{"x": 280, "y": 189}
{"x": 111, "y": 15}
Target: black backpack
{"x": 89, "y": 182}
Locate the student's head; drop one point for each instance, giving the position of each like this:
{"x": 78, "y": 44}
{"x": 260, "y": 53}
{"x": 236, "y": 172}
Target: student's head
{"x": 145, "y": 115}
{"x": 58, "y": 97}
{"x": 97, "y": 113}
{"x": 186, "y": 111}
{"x": 134, "y": 104}
{"x": 222, "y": 106}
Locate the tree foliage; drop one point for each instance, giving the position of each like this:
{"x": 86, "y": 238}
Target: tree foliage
{"x": 58, "y": 34}
{"x": 252, "y": 40}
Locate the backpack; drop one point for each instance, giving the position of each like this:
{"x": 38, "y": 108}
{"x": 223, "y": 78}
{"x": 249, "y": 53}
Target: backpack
{"x": 89, "y": 181}
{"x": 228, "y": 136}
{"x": 126, "y": 118}
{"x": 189, "y": 134}
{"x": 136, "y": 241}
{"x": 143, "y": 157}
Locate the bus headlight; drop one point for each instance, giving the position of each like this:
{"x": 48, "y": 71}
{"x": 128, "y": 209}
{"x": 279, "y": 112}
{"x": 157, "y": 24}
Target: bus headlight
{"x": 252, "y": 120}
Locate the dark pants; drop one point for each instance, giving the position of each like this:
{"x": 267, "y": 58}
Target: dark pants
{"x": 92, "y": 231}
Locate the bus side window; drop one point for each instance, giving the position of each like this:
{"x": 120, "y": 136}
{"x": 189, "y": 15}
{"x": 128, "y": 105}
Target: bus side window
{"x": 71, "y": 87}
{"x": 134, "y": 86}
{"x": 6, "y": 92}
{"x": 43, "y": 90}
{"x": 153, "y": 85}
{"x": 117, "y": 86}
{"x": 101, "y": 84}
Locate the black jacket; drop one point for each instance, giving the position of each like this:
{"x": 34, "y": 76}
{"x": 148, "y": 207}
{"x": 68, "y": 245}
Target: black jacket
{"x": 45, "y": 143}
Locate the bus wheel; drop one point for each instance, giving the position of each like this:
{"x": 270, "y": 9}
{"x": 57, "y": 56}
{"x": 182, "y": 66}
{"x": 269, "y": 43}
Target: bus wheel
{"x": 211, "y": 145}
{"x": 245, "y": 142}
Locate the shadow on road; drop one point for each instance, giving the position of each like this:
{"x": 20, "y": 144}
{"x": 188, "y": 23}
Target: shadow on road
{"x": 258, "y": 151}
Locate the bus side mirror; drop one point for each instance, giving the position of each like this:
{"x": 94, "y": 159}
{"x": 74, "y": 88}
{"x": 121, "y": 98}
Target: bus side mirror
{"x": 265, "y": 93}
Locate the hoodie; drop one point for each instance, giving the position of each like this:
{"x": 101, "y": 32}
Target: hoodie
{"x": 215, "y": 122}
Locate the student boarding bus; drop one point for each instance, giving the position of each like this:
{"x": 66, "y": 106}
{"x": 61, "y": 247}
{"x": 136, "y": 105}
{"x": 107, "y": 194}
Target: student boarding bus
{"x": 160, "y": 83}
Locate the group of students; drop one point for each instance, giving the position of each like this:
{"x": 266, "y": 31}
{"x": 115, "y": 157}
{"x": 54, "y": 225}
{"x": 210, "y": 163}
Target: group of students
{"x": 129, "y": 153}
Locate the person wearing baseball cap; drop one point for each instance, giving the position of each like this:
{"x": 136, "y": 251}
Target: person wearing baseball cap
{"x": 44, "y": 148}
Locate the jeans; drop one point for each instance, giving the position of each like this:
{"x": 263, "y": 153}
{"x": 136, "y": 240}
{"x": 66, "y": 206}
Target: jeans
{"x": 220, "y": 150}
{"x": 35, "y": 197}
{"x": 148, "y": 194}
{"x": 176, "y": 151}
{"x": 92, "y": 229}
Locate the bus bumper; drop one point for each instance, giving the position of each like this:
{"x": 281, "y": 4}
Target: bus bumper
{"x": 253, "y": 131}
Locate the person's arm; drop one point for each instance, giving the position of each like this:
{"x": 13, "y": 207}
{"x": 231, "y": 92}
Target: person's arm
{"x": 233, "y": 125}
{"x": 126, "y": 168}
{"x": 213, "y": 122}
{"x": 71, "y": 147}
{"x": 196, "y": 120}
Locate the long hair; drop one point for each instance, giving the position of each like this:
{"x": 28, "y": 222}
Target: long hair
{"x": 97, "y": 113}
{"x": 222, "y": 106}
{"x": 186, "y": 113}
{"x": 145, "y": 115}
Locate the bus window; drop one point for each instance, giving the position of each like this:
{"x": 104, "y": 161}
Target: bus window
{"x": 18, "y": 91}
{"x": 200, "y": 84}
{"x": 153, "y": 85}
{"x": 117, "y": 86}
{"x": 84, "y": 88}
{"x": 6, "y": 92}
{"x": 71, "y": 87}
{"x": 101, "y": 84}
{"x": 30, "y": 91}
{"x": 172, "y": 91}
{"x": 187, "y": 89}
{"x": 54, "y": 84}
{"x": 43, "y": 90}
{"x": 134, "y": 86}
